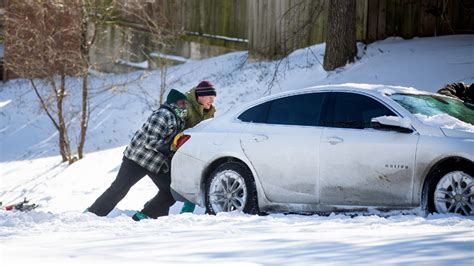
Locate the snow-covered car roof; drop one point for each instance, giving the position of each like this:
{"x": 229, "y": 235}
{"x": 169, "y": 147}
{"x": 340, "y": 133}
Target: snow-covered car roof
{"x": 374, "y": 89}
{"x": 370, "y": 88}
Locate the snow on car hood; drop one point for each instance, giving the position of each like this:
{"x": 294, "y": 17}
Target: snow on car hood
{"x": 451, "y": 126}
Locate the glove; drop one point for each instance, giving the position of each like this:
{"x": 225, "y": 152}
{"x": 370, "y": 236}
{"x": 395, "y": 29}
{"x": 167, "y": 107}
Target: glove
{"x": 165, "y": 149}
{"x": 175, "y": 141}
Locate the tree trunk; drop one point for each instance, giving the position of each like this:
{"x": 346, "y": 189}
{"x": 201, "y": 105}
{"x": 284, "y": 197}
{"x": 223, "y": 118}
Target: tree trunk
{"x": 84, "y": 116}
{"x": 163, "y": 70}
{"x": 64, "y": 146}
{"x": 85, "y": 49}
{"x": 341, "y": 34}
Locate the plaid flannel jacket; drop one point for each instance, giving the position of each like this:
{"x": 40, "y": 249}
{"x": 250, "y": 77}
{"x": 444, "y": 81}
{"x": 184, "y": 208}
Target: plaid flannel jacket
{"x": 157, "y": 132}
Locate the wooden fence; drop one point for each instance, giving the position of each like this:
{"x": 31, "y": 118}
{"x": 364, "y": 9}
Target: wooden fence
{"x": 215, "y": 17}
{"x": 275, "y": 27}
{"x": 410, "y": 18}
{"x": 279, "y": 27}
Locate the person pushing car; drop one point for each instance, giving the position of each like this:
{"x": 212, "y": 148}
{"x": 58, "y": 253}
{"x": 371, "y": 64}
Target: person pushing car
{"x": 149, "y": 154}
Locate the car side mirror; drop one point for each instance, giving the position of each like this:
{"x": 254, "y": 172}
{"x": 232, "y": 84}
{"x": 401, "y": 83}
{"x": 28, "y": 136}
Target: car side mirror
{"x": 392, "y": 123}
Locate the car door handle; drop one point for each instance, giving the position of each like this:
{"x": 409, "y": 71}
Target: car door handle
{"x": 259, "y": 138}
{"x": 334, "y": 140}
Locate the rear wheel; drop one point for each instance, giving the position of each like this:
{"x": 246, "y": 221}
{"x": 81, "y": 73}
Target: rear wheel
{"x": 231, "y": 187}
{"x": 454, "y": 193}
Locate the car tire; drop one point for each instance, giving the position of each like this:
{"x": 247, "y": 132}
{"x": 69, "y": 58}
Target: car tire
{"x": 451, "y": 191}
{"x": 231, "y": 187}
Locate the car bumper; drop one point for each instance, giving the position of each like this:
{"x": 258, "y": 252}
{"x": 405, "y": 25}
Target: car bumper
{"x": 177, "y": 196}
{"x": 186, "y": 173}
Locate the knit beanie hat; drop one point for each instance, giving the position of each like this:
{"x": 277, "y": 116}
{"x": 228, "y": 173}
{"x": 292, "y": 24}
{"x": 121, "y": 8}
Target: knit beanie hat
{"x": 174, "y": 96}
{"x": 205, "y": 88}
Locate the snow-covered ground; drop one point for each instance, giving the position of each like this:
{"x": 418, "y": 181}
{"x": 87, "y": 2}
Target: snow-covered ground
{"x": 227, "y": 239}
{"x": 58, "y": 232}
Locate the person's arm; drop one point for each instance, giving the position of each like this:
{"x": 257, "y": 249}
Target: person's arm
{"x": 160, "y": 128}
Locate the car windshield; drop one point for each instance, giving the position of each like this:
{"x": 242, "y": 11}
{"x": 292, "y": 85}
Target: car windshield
{"x": 431, "y": 105}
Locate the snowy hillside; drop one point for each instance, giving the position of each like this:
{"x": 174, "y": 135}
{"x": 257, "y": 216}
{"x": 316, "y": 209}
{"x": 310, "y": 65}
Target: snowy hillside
{"x": 58, "y": 232}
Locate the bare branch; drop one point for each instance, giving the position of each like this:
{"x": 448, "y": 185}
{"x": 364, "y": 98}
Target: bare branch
{"x": 43, "y": 104}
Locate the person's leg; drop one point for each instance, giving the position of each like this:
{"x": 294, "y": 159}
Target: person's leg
{"x": 129, "y": 174}
{"x": 188, "y": 207}
{"x": 161, "y": 203}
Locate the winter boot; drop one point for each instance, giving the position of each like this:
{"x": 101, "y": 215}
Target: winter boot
{"x": 139, "y": 216}
{"x": 188, "y": 207}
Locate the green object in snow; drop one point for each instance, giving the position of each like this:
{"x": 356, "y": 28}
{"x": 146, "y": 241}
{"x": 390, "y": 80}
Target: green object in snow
{"x": 188, "y": 207}
{"x": 139, "y": 216}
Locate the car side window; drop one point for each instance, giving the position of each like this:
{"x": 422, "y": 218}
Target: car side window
{"x": 256, "y": 114}
{"x": 351, "y": 110}
{"x": 302, "y": 110}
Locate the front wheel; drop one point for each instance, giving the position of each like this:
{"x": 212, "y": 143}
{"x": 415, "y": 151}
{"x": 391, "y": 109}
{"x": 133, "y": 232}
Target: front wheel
{"x": 454, "y": 193}
{"x": 231, "y": 187}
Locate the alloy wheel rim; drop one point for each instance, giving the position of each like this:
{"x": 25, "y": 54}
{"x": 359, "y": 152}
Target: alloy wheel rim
{"x": 228, "y": 192}
{"x": 455, "y": 194}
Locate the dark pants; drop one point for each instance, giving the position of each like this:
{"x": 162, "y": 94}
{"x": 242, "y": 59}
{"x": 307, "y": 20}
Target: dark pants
{"x": 129, "y": 174}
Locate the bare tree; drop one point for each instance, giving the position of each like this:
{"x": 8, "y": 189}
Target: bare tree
{"x": 42, "y": 38}
{"x": 49, "y": 41}
{"x": 159, "y": 19}
{"x": 93, "y": 14}
{"x": 341, "y": 34}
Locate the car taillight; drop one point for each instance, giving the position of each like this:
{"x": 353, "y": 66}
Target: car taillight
{"x": 181, "y": 140}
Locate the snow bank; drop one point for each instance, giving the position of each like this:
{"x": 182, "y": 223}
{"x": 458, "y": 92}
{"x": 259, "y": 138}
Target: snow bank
{"x": 142, "y": 65}
{"x": 5, "y": 103}
{"x": 236, "y": 239}
{"x": 171, "y": 57}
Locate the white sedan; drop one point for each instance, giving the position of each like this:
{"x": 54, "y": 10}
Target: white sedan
{"x": 347, "y": 147}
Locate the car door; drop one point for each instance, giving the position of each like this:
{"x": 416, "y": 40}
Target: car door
{"x": 361, "y": 165}
{"x": 281, "y": 140}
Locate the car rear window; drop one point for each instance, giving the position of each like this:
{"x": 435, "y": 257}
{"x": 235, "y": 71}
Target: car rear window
{"x": 256, "y": 114}
{"x": 302, "y": 110}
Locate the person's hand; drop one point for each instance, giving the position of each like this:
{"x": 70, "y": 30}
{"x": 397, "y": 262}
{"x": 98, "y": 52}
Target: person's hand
{"x": 165, "y": 150}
